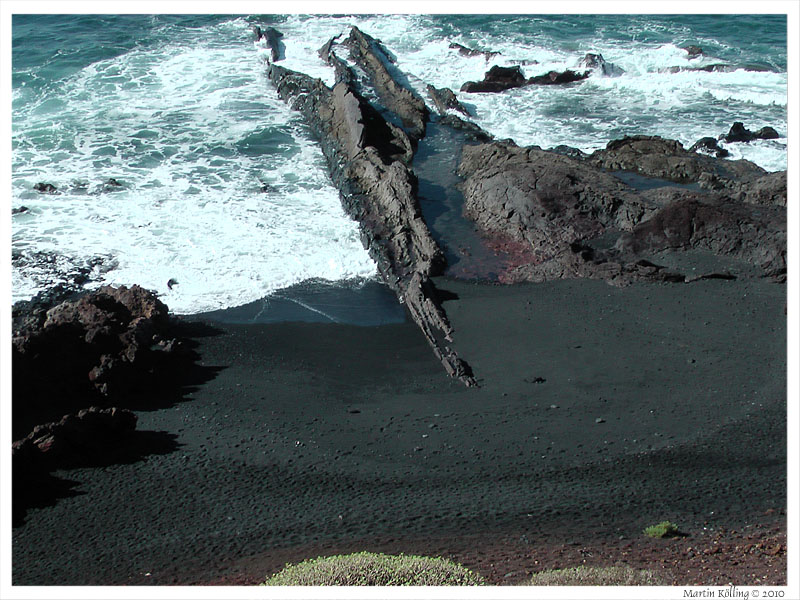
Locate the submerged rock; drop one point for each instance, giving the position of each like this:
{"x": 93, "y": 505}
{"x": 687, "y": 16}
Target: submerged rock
{"x": 497, "y": 79}
{"x": 708, "y": 145}
{"x": 45, "y": 188}
{"x": 464, "y": 51}
{"x": 596, "y": 62}
{"x": 719, "y": 68}
{"x": 445, "y": 99}
{"x": 693, "y": 51}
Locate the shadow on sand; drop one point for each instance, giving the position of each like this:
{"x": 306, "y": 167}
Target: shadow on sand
{"x": 169, "y": 379}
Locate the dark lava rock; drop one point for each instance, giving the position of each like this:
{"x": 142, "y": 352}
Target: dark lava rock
{"x": 708, "y": 145}
{"x": 395, "y": 94}
{"x": 596, "y": 62}
{"x": 82, "y": 350}
{"x": 48, "y": 268}
{"x": 497, "y": 79}
{"x": 558, "y": 77}
{"x": 368, "y": 159}
{"x": 473, "y": 131}
{"x": 45, "y": 188}
{"x": 272, "y": 37}
{"x": 718, "y": 67}
{"x": 342, "y": 71}
{"x": 445, "y": 99}
{"x": 464, "y": 51}
{"x": 653, "y": 156}
{"x": 756, "y": 235}
{"x": 111, "y": 185}
{"x": 74, "y": 437}
{"x": 693, "y": 51}
{"x": 569, "y": 151}
{"x": 543, "y": 198}
{"x": 738, "y": 133}
{"x": 769, "y": 189}
{"x": 92, "y": 437}
{"x": 579, "y": 221}
{"x": 500, "y": 79}
{"x": 20, "y": 210}
{"x": 548, "y": 201}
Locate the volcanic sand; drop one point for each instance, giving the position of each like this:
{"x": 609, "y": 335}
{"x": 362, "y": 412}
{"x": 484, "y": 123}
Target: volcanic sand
{"x": 600, "y": 411}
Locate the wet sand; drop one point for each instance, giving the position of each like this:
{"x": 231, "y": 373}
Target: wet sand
{"x": 601, "y": 411}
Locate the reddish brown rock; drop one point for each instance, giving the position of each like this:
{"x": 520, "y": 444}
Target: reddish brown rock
{"x": 74, "y": 437}
{"x": 580, "y": 221}
{"x": 72, "y": 351}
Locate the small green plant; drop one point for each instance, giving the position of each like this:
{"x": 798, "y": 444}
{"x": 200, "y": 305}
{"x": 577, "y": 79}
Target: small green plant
{"x": 366, "y": 568}
{"x": 662, "y": 530}
{"x": 617, "y": 575}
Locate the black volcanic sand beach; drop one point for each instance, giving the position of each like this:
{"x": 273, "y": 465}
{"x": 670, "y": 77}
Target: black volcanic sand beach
{"x": 600, "y": 411}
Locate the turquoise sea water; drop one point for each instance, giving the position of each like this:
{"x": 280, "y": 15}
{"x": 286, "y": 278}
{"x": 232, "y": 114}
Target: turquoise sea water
{"x": 225, "y": 190}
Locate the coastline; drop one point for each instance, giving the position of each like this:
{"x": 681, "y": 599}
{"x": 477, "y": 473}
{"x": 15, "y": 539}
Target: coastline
{"x": 318, "y": 420}
{"x": 317, "y": 436}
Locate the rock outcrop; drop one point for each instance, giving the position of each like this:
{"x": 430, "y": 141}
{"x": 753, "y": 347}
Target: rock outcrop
{"x": 500, "y": 79}
{"x": 45, "y": 188}
{"x": 70, "y": 351}
{"x": 558, "y": 77}
{"x": 718, "y": 68}
{"x": 708, "y": 145}
{"x": 596, "y": 62}
{"x": 497, "y": 79}
{"x": 715, "y": 224}
{"x": 578, "y": 220}
{"x": 654, "y": 156}
{"x": 272, "y": 38}
{"x": 444, "y": 99}
{"x": 74, "y": 438}
{"x": 394, "y": 95}
{"x": 739, "y": 133}
{"x": 368, "y": 158}
{"x": 464, "y": 51}
{"x": 693, "y": 51}
{"x": 555, "y": 214}
{"x": 542, "y": 198}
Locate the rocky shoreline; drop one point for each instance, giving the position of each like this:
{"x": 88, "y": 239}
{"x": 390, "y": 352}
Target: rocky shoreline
{"x": 90, "y": 368}
{"x": 560, "y": 212}
{"x": 81, "y": 363}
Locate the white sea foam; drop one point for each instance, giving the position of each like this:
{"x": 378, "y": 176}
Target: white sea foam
{"x": 192, "y": 133}
{"x": 648, "y": 99}
{"x": 193, "y": 129}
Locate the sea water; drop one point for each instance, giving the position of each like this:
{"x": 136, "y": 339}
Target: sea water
{"x": 224, "y": 196}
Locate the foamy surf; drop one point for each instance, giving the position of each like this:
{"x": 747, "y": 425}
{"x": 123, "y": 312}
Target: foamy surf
{"x": 224, "y": 190}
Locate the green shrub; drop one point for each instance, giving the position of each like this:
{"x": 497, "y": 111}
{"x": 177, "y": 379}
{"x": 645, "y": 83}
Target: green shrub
{"x": 619, "y": 575}
{"x": 662, "y": 530}
{"x": 366, "y": 568}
